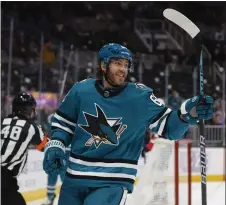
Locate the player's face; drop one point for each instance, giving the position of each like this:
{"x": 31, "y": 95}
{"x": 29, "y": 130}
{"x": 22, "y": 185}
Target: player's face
{"x": 118, "y": 71}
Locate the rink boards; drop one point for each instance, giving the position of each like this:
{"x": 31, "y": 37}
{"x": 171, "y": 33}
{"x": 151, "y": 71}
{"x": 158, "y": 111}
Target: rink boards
{"x": 33, "y": 180}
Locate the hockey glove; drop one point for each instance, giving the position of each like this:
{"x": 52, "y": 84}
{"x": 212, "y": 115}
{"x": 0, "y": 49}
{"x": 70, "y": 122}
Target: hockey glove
{"x": 192, "y": 110}
{"x": 54, "y": 162}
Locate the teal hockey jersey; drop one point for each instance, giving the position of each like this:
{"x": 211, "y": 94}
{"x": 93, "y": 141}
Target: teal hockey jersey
{"x": 106, "y": 131}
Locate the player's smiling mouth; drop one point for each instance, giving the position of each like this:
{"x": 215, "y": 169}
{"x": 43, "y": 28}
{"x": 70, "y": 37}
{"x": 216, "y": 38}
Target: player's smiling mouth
{"x": 120, "y": 75}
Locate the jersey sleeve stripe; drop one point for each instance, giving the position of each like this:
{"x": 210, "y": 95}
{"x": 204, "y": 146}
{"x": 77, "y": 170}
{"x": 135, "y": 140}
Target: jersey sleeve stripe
{"x": 183, "y": 109}
{"x": 58, "y": 117}
{"x": 41, "y": 134}
{"x": 164, "y": 130}
{"x": 16, "y": 162}
{"x": 161, "y": 127}
{"x": 160, "y": 115}
{"x": 38, "y": 136}
{"x": 124, "y": 196}
{"x": 63, "y": 115}
{"x": 54, "y": 124}
{"x": 151, "y": 126}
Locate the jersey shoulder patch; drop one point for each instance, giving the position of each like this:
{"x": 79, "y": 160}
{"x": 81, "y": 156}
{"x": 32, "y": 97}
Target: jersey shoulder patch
{"x": 141, "y": 90}
{"x": 141, "y": 86}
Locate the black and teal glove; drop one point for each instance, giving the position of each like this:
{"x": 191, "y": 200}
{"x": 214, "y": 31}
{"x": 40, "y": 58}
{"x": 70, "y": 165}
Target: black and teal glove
{"x": 54, "y": 162}
{"x": 195, "y": 109}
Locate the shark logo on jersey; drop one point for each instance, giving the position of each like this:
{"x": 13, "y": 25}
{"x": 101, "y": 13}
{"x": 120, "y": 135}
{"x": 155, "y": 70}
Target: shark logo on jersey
{"x": 102, "y": 129}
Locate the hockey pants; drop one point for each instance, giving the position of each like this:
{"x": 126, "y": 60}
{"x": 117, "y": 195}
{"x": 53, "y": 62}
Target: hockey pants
{"x": 92, "y": 196}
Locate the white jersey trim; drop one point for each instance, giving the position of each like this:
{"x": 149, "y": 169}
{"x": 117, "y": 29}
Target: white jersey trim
{"x": 51, "y": 187}
{"x": 62, "y": 127}
{"x": 23, "y": 147}
{"x": 151, "y": 126}
{"x": 102, "y": 164}
{"x": 124, "y": 196}
{"x": 182, "y": 108}
{"x": 101, "y": 174}
{"x": 58, "y": 117}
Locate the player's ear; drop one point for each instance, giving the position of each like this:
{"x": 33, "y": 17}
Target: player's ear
{"x": 102, "y": 66}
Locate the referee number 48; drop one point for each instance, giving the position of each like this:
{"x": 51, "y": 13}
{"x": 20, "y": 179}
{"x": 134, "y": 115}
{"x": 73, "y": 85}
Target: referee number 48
{"x": 13, "y": 132}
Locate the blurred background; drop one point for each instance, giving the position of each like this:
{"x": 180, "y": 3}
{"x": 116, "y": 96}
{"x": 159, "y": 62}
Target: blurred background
{"x": 36, "y": 39}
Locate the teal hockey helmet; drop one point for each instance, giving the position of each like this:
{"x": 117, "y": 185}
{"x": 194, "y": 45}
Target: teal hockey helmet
{"x": 115, "y": 51}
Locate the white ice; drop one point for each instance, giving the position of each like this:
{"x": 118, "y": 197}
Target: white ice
{"x": 215, "y": 194}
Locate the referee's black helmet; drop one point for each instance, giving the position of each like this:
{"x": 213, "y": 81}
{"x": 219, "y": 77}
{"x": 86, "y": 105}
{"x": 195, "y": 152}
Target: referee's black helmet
{"x": 24, "y": 104}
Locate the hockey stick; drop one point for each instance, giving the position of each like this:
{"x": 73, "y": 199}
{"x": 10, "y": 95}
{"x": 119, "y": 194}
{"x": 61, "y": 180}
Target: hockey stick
{"x": 188, "y": 26}
{"x": 201, "y": 135}
{"x": 66, "y": 72}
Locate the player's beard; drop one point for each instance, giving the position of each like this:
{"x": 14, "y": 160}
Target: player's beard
{"x": 116, "y": 79}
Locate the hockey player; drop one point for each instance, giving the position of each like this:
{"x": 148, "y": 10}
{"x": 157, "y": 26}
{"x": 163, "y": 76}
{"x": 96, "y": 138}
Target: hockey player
{"x": 104, "y": 120}
{"x": 18, "y": 131}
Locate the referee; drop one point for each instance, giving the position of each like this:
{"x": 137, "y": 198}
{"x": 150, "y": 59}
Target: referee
{"x": 18, "y": 131}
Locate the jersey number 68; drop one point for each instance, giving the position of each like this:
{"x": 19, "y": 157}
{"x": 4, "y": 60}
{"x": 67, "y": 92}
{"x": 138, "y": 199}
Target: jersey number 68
{"x": 155, "y": 100}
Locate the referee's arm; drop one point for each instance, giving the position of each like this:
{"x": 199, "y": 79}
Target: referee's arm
{"x": 39, "y": 139}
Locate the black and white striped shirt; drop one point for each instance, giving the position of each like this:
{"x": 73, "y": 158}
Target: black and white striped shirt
{"x": 17, "y": 133}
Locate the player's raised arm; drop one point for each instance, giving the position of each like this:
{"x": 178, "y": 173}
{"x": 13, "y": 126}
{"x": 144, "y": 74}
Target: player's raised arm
{"x": 64, "y": 120}
{"x": 174, "y": 124}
